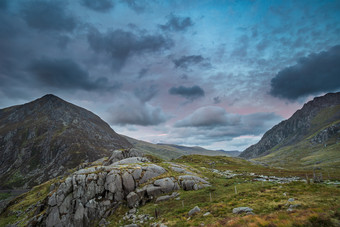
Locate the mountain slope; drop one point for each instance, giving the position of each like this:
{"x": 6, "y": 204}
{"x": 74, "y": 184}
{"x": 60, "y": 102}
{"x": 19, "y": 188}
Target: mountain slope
{"x": 42, "y": 139}
{"x": 170, "y": 151}
{"x": 311, "y": 136}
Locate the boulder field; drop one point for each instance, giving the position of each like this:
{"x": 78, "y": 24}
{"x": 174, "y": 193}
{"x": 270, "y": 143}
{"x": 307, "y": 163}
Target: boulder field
{"x": 126, "y": 178}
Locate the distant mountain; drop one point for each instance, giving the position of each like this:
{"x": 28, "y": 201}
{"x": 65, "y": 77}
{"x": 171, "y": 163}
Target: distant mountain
{"x": 231, "y": 153}
{"x": 44, "y": 138}
{"x": 310, "y": 137}
{"x": 170, "y": 151}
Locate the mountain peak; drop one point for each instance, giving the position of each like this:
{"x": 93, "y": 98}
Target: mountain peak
{"x": 50, "y": 97}
{"x": 314, "y": 116}
{"x": 52, "y": 136}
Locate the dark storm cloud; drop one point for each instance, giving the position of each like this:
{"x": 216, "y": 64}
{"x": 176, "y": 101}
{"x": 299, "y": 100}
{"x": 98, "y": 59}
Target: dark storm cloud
{"x": 142, "y": 73}
{"x": 217, "y": 100}
{"x": 185, "y": 61}
{"x": 3, "y": 4}
{"x": 176, "y": 23}
{"x": 131, "y": 111}
{"x": 48, "y": 15}
{"x": 99, "y": 6}
{"x": 190, "y": 93}
{"x": 137, "y": 6}
{"x": 120, "y": 45}
{"x": 216, "y": 122}
{"x": 145, "y": 94}
{"x": 311, "y": 75}
{"x": 65, "y": 74}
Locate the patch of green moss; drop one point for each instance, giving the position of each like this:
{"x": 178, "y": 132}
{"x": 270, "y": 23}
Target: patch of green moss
{"x": 15, "y": 180}
{"x": 4, "y": 196}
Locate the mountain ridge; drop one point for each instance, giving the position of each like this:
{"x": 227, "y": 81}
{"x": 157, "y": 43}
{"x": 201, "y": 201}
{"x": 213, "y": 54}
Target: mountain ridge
{"x": 321, "y": 113}
{"x": 43, "y": 138}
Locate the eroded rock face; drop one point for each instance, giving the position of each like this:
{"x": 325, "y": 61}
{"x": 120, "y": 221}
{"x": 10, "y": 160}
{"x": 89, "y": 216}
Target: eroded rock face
{"x": 96, "y": 192}
{"x": 298, "y": 126}
{"x": 42, "y": 139}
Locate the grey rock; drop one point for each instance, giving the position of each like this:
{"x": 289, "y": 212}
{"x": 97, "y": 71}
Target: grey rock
{"x": 131, "y": 225}
{"x": 151, "y": 171}
{"x": 113, "y": 182}
{"x": 131, "y": 160}
{"x": 128, "y": 182}
{"x": 178, "y": 169}
{"x": 79, "y": 215}
{"x": 137, "y": 173}
{"x": 240, "y": 210}
{"x": 206, "y": 214}
{"x": 291, "y": 200}
{"x": 132, "y": 199}
{"x": 190, "y": 182}
{"x": 65, "y": 207}
{"x": 91, "y": 204}
{"x": 193, "y": 211}
{"x": 293, "y": 206}
{"x": 167, "y": 185}
{"x": 103, "y": 222}
{"x": 154, "y": 191}
{"x": 52, "y": 201}
{"x": 53, "y": 218}
{"x": 133, "y": 211}
{"x": 163, "y": 198}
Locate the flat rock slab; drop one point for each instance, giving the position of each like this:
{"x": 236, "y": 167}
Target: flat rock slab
{"x": 240, "y": 210}
{"x": 193, "y": 211}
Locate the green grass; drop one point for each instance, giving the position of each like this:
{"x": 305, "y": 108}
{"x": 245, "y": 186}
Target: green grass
{"x": 267, "y": 200}
{"x": 4, "y": 196}
{"x": 319, "y": 203}
{"x": 22, "y": 203}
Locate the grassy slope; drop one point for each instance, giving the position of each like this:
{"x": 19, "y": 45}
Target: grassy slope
{"x": 306, "y": 155}
{"x": 169, "y": 152}
{"x": 319, "y": 202}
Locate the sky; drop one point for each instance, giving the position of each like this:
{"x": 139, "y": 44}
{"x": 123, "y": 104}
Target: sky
{"x": 216, "y": 74}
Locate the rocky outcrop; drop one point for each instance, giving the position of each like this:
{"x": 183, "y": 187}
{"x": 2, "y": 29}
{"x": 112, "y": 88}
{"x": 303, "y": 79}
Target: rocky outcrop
{"x": 44, "y": 138}
{"x": 325, "y": 134}
{"x": 297, "y": 127}
{"x": 95, "y": 192}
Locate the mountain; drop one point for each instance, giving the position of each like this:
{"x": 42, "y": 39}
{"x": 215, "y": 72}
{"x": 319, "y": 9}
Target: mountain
{"x": 170, "y": 151}
{"x": 231, "y": 153}
{"x": 310, "y": 137}
{"x": 44, "y": 138}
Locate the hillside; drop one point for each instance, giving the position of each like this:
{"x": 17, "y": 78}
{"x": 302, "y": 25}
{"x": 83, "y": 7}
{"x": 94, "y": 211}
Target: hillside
{"x": 194, "y": 190}
{"x": 44, "y": 138}
{"x": 170, "y": 151}
{"x": 310, "y": 138}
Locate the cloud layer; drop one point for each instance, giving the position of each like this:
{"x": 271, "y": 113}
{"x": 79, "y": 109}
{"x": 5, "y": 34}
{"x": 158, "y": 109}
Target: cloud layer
{"x": 120, "y": 44}
{"x": 48, "y": 15}
{"x": 129, "y": 110}
{"x": 190, "y": 93}
{"x": 311, "y": 75}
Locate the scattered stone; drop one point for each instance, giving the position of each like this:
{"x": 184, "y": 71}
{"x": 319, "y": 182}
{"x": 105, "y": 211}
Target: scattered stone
{"x": 133, "y": 211}
{"x": 103, "y": 222}
{"x": 206, "y": 214}
{"x": 131, "y": 225}
{"x": 240, "y": 210}
{"x": 291, "y": 200}
{"x": 163, "y": 198}
{"x": 285, "y": 194}
{"x": 292, "y": 206}
{"x": 193, "y": 211}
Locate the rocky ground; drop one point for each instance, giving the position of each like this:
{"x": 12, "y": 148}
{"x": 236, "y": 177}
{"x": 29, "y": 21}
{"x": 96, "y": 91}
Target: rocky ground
{"x": 128, "y": 189}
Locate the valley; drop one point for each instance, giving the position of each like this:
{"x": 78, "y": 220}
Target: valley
{"x": 291, "y": 177}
